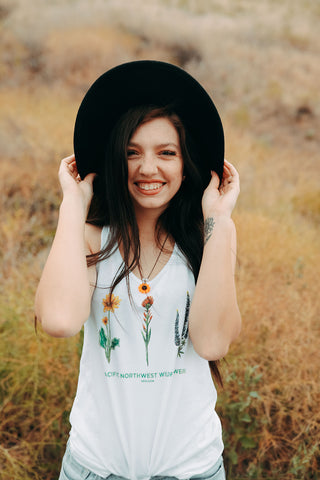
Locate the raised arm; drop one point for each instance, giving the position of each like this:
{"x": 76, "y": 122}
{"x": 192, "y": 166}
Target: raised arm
{"x": 215, "y": 319}
{"x": 64, "y": 293}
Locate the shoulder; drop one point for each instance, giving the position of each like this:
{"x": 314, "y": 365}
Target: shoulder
{"x": 93, "y": 237}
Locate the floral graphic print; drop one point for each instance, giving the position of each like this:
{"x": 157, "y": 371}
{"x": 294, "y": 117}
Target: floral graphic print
{"x": 147, "y": 317}
{"x": 181, "y": 341}
{"x": 110, "y": 303}
{"x": 144, "y": 287}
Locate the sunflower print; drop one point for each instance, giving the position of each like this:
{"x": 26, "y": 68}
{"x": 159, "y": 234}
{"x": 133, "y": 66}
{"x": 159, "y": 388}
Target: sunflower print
{"x": 144, "y": 287}
{"x": 110, "y": 303}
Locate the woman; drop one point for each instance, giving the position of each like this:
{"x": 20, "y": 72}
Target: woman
{"x": 149, "y": 144}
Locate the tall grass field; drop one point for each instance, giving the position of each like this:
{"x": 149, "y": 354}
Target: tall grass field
{"x": 260, "y": 63}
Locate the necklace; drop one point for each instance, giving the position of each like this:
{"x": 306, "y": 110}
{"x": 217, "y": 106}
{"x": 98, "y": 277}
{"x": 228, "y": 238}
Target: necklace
{"x": 144, "y": 286}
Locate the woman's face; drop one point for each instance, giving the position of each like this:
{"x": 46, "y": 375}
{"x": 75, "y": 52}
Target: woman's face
{"x": 155, "y": 165}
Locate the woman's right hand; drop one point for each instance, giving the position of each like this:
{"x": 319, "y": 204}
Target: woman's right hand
{"x": 72, "y": 185}
{"x": 64, "y": 293}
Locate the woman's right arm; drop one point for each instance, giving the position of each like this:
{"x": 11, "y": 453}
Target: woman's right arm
{"x": 64, "y": 293}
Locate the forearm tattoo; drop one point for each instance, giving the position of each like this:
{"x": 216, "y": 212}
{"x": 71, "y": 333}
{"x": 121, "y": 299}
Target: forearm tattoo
{"x": 209, "y": 223}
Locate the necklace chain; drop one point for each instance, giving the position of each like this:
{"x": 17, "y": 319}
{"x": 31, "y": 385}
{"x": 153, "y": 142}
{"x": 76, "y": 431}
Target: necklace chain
{"x": 146, "y": 279}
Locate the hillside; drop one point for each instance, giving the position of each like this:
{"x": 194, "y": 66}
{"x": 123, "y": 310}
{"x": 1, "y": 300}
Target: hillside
{"x": 259, "y": 61}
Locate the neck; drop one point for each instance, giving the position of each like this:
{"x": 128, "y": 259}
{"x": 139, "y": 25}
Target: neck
{"x": 147, "y": 223}
{"x": 155, "y": 251}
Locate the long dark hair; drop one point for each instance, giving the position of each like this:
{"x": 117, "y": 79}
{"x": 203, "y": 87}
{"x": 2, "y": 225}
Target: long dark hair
{"x": 111, "y": 204}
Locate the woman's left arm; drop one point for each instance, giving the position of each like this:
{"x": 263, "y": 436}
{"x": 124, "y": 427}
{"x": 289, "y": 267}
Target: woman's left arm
{"x": 215, "y": 320}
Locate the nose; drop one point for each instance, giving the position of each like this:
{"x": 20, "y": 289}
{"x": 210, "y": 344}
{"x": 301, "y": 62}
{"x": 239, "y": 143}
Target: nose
{"x": 148, "y": 165}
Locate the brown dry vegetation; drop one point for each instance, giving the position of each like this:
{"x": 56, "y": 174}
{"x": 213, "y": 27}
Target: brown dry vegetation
{"x": 259, "y": 60}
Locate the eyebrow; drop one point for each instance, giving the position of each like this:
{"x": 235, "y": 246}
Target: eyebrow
{"x": 161, "y": 145}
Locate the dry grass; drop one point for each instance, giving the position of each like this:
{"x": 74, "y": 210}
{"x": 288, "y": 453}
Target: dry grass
{"x": 259, "y": 60}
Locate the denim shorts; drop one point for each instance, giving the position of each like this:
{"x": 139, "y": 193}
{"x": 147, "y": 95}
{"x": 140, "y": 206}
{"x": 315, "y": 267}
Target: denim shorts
{"x": 72, "y": 470}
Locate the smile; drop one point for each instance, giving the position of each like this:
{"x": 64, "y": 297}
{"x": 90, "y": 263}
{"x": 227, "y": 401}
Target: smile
{"x": 149, "y": 186}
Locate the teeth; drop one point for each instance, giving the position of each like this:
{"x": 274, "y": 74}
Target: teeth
{"x": 149, "y": 186}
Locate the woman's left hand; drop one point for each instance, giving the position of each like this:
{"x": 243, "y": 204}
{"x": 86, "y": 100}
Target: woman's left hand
{"x": 221, "y": 200}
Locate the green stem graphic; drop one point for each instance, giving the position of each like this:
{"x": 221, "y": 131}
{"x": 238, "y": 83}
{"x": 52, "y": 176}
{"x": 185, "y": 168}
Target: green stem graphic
{"x": 106, "y": 341}
{"x": 146, "y": 332}
{"x": 108, "y": 345}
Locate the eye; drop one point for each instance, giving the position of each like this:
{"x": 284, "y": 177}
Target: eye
{"x": 132, "y": 153}
{"x": 168, "y": 153}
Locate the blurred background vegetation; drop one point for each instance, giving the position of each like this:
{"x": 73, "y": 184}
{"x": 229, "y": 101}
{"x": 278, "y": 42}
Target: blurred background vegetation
{"x": 260, "y": 63}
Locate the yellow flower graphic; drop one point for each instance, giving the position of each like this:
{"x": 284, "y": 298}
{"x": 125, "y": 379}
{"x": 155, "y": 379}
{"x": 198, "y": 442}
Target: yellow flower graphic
{"x": 144, "y": 288}
{"x": 107, "y": 342}
{"x": 110, "y": 303}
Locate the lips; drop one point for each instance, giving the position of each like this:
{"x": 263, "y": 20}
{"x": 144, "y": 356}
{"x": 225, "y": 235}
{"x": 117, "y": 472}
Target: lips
{"x": 149, "y": 188}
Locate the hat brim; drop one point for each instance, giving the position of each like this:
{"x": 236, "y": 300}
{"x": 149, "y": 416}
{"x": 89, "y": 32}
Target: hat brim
{"x": 141, "y": 83}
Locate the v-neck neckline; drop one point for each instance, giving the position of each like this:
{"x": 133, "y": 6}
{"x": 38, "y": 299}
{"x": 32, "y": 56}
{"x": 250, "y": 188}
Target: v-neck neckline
{"x": 138, "y": 279}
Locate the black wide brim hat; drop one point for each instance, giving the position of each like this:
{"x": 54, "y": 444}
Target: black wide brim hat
{"x": 147, "y": 82}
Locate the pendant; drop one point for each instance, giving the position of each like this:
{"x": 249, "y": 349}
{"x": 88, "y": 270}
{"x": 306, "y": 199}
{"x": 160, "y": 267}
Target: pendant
{"x": 144, "y": 287}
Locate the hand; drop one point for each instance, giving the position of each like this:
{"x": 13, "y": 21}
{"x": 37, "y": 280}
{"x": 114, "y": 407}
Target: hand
{"x": 71, "y": 183}
{"x": 221, "y": 200}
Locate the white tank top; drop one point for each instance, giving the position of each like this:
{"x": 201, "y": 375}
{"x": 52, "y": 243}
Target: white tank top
{"x": 145, "y": 403}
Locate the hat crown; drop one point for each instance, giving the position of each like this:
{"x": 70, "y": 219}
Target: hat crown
{"x": 146, "y": 82}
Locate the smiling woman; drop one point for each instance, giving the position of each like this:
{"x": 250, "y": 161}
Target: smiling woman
{"x": 144, "y": 258}
{"x": 155, "y": 166}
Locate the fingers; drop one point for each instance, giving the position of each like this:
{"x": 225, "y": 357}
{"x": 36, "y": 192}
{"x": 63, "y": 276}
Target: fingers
{"x": 89, "y": 178}
{"x": 230, "y": 169}
{"x": 69, "y": 159}
{"x": 72, "y": 166}
{"x": 215, "y": 180}
{"x": 69, "y": 163}
{"x": 230, "y": 174}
